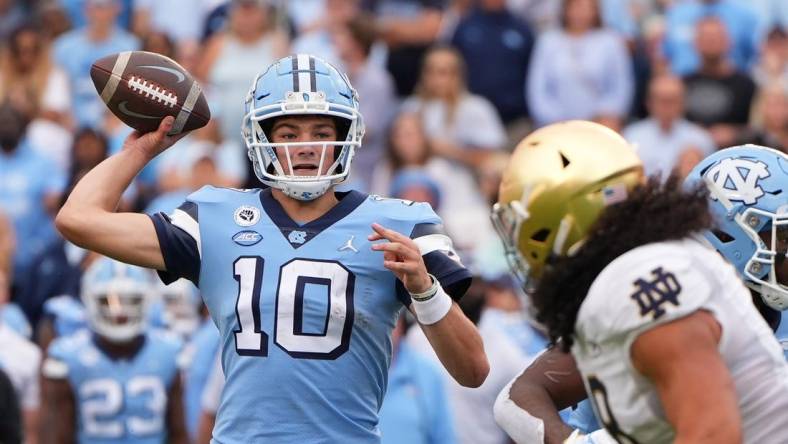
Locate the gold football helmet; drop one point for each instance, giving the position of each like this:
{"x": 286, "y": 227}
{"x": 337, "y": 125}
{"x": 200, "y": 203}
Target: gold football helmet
{"x": 558, "y": 181}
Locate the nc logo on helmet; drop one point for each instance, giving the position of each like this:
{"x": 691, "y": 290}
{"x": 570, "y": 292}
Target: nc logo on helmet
{"x": 738, "y": 179}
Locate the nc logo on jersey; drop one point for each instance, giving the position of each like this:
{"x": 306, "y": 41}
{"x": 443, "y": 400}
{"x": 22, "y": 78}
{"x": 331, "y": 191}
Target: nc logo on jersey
{"x": 738, "y": 179}
{"x": 651, "y": 295}
{"x": 246, "y": 215}
{"x": 247, "y": 238}
{"x": 297, "y": 237}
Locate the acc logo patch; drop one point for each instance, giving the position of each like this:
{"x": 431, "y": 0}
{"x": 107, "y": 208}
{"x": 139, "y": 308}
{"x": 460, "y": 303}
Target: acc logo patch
{"x": 247, "y": 238}
{"x": 738, "y": 179}
{"x": 246, "y": 215}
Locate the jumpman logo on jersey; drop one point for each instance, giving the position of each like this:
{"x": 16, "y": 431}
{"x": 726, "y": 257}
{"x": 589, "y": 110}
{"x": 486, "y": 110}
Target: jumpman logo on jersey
{"x": 349, "y": 245}
{"x": 652, "y": 295}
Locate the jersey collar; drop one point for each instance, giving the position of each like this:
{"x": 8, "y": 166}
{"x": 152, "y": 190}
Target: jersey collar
{"x": 297, "y": 234}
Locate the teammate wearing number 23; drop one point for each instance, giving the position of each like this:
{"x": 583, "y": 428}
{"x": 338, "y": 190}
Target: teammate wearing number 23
{"x": 116, "y": 382}
{"x": 304, "y": 283}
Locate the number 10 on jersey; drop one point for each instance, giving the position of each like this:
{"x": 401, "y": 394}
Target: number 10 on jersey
{"x": 289, "y": 334}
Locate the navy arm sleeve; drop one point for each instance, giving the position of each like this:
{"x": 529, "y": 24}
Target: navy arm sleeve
{"x": 179, "y": 242}
{"x": 441, "y": 261}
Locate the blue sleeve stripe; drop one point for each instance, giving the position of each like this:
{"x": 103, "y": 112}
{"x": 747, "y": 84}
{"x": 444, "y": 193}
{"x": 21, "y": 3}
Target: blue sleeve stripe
{"x": 190, "y": 208}
{"x": 179, "y": 249}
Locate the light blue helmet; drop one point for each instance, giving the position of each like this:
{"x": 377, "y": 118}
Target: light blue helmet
{"x": 748, "y": 194}
{"x": 181, "y": 305}
{"x": 301, "y": 85}
{"x": 116, "y": 297}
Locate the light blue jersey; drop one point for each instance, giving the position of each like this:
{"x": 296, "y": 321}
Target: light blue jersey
{"x": 67, "y": 314}
{"x": 582, "y": 418}
{"x": 305, "y": 311}
{"x": 117, "y": 400}
{"x": 200, "y": 358}
{"x": 13, "y": 316}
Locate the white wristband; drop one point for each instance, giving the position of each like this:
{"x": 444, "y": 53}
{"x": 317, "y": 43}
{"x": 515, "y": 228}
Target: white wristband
{"x": 433, "y": 309}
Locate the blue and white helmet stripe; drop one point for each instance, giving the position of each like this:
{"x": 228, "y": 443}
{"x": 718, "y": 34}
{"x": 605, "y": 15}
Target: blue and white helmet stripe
{"x": 748, "y": 195}
{"x": 301, "y": 85}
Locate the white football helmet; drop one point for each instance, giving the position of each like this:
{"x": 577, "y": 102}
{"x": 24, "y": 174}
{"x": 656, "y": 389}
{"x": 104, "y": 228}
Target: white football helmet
{"x": 116, "y": 297}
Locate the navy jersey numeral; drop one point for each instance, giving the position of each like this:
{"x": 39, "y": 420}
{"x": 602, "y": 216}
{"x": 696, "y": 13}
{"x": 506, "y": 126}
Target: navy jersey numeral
{"x": 602, "y": 406}
{"x": 289, "y": 334}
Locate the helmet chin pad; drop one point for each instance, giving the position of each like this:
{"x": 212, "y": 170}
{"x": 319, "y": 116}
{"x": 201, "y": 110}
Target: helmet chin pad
{"x": 305, "y": 191}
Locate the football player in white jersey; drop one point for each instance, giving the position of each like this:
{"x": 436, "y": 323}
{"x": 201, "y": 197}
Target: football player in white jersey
{"x": 528, "y": 407}
{"x": 668, "y": 344}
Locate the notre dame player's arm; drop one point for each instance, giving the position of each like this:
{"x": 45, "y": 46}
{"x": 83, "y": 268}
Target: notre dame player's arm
{"x": 58, "y": 423}
{"x": 530, "y": 404}
{"x": 176, "y": 424}
{"x": 88, "y": 218}
{"x": 682, "y": 359}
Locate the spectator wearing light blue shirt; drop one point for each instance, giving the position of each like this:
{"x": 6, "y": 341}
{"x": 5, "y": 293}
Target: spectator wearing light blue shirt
{"x": 76, "y": 51}
{"x": 665, "y": 141}
{"x": 75, "y": 9}
{"x": 416, "y": 406}
{"x": 180, "y": 20}
{"x": 580, "y": 71}
{"x": 30, "y": 188}
{"x": 741, "y": 22}
{"x": 771, "y": 13}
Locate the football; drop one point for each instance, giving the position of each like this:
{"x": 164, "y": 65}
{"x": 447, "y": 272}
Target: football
{"x": 141, "y": 88}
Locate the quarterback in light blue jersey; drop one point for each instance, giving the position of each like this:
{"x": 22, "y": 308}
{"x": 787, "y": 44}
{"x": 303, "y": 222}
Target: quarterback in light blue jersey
{"x": 748, "y": 197}
{"x": 304, "y": 283}
{"x": 114, "y": 382}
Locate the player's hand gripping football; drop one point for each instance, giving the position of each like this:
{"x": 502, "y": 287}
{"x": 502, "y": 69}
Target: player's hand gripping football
{"x": 153, "y": 143}
{"x": 402, "y": 256}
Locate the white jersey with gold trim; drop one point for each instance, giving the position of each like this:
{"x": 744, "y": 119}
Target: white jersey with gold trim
{"x": 657, "y": 283}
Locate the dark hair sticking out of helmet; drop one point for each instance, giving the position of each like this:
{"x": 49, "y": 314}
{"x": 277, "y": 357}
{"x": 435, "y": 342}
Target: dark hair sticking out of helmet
{"x": 653, "y": 212}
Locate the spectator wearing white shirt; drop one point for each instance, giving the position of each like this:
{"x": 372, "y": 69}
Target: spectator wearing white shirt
{"x": 462, "y": 127}
{"x": 20, "y": 360}
{"x": 232, "y": 59}
{"x": 665, "y": 141}
{"x": 181, "y": 20}
{"x": 580, "y": 70}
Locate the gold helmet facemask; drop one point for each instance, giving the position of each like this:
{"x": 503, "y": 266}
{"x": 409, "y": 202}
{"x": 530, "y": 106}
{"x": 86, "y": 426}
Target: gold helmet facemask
{"x": 557, "y": 183}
